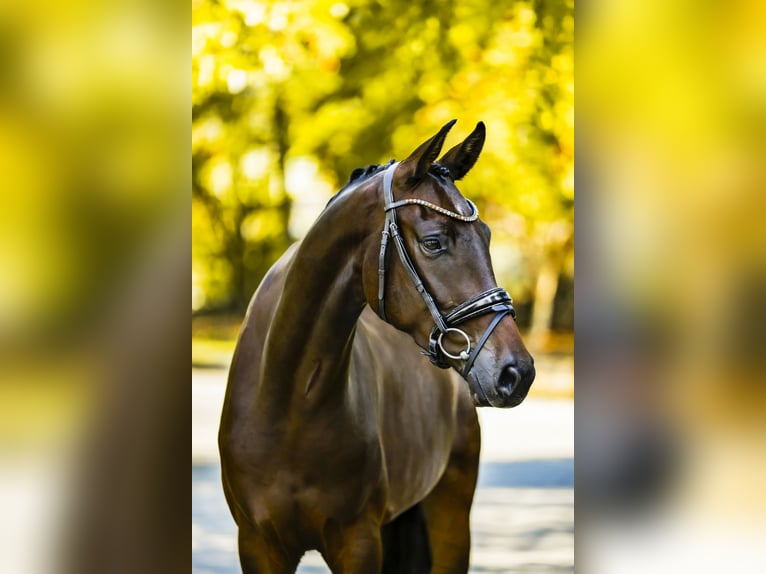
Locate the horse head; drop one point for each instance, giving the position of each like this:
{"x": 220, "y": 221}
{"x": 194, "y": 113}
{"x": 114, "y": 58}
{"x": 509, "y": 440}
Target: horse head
{"x": 441, "y": 289}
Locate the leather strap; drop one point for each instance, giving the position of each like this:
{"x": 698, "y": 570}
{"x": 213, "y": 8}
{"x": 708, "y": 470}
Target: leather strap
{"x": 484, "y": 337}
{"x": 388, "y": 196}
{"x": 480, "y": 305}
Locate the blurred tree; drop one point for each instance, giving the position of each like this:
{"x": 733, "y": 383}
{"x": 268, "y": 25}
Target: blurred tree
{"x": 289, "y": 97}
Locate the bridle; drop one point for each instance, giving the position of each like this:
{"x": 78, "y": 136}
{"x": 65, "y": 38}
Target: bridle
{"x": 494, "y": 300}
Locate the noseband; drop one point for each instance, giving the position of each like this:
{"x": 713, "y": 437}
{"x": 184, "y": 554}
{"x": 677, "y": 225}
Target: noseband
{"x": 494, "y": 300}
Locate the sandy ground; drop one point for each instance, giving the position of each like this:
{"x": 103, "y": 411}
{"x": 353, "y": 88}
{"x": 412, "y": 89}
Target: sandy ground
{"x": 523, "y": 514}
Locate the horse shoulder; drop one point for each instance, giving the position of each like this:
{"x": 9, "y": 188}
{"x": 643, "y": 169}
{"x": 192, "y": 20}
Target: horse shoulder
{"x": 416, "y": 414}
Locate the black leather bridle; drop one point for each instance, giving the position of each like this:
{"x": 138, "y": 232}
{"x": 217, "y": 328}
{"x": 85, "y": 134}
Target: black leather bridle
{"x": 494, "y": 300}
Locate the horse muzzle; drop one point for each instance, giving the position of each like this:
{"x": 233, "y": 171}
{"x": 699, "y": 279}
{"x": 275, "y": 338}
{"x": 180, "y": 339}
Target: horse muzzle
{"x": 507, "y": 389}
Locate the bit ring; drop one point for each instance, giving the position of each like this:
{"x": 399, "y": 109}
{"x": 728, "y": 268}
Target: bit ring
{"x": 464, "y": 354}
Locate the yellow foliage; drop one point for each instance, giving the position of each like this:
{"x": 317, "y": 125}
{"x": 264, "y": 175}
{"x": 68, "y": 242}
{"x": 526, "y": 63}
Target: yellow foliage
{"x": 345, "y": 84}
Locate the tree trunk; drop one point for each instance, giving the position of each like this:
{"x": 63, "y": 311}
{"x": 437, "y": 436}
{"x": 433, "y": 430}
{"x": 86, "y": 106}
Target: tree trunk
{"x": 557, "y": 242}
{"x": 545, "y": 294}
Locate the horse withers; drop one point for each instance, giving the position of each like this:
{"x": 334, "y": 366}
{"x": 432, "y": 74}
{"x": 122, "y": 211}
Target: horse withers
{"x": 337, "y": 433}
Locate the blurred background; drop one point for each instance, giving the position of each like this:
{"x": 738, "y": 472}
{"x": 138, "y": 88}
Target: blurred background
{"x": 94, "y": 258}
{"x": 671, "y": 338}
{"x": 94, "y": 238}
{"x": 287, "y": 99}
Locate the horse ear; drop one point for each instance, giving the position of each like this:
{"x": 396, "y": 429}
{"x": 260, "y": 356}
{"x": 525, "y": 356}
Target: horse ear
{"x": 463, "y": 156}
{"x": 417, "y": 164}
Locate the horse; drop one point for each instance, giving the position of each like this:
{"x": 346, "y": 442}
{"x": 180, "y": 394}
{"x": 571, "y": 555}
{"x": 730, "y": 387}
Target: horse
{"x": 337, "y": 434}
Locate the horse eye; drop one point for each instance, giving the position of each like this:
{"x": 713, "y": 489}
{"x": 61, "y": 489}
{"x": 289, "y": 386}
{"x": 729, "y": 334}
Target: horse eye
{"x": 431, "y": 244}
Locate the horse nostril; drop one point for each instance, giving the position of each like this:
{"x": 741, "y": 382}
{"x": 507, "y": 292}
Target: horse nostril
{"x": 509, "y": 378}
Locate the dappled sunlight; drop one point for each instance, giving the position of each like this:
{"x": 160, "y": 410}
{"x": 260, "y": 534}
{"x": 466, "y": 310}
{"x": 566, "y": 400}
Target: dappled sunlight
{"x": 288, "y": 98}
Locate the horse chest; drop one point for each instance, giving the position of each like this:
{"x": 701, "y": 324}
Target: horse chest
{"x": 304, "y": 483}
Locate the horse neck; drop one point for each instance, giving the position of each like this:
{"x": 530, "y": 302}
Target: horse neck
{"x": 308, "y": 347}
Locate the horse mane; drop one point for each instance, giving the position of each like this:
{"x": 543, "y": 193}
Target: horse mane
{"x": 360, "y": 175}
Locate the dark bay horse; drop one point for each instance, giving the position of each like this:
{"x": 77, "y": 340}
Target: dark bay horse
{"x": 337, "y": 434}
